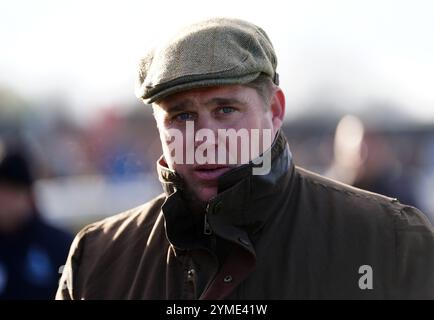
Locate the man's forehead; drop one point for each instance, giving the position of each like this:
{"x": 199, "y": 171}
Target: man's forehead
{"x": 208, "y": 95}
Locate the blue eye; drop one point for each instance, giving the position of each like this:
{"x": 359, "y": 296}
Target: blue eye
{"x": 227, "y": 110}
{"x": 184, "y": 116}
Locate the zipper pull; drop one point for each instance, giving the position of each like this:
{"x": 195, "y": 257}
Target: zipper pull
{"x": 206, "y": 227}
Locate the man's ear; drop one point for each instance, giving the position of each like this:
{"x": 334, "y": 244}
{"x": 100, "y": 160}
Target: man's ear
{"x": 157, "y": 115}
{"x": 277, "y": 109}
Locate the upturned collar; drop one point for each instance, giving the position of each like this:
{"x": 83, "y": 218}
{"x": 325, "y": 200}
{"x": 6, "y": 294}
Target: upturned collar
{"x": 242, "y": 203}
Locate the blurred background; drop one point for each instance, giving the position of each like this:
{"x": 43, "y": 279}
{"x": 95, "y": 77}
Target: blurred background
{"x": 358, "y": 78}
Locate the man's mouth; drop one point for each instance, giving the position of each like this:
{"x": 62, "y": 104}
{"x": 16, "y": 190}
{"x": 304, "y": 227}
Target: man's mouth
{"x": 209, "y": 172}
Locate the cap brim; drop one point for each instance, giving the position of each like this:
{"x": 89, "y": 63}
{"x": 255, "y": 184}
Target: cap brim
{"x": 159, "y": 93}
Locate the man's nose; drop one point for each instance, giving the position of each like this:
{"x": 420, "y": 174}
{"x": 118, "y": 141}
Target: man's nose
{"x": 204, "y": 121}
{"x": 209, "y": 125}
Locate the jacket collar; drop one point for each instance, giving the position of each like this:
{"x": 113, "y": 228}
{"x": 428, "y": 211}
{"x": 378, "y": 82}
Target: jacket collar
{"x": 241, "y": 202}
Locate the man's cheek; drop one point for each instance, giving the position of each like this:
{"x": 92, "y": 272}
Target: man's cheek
{"x": 173, "y": 146}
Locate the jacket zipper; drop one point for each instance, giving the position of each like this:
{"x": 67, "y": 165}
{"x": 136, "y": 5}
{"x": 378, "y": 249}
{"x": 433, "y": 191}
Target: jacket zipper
{"x": 206, "y": 227}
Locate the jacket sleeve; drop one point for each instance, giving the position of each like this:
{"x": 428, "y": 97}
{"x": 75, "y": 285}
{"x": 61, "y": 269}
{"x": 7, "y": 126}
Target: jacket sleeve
{"x": 414, "y": 254}
{"x": 68, "y": 284}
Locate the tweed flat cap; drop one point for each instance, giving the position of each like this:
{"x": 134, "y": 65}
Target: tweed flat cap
{"x": 219, "y": 51}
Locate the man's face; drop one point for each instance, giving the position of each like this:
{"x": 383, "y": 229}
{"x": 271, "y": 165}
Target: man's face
{"x": 214, "y": 108}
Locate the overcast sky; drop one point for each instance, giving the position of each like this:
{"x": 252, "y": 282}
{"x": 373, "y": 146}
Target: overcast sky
{"x": 349, "y": 52}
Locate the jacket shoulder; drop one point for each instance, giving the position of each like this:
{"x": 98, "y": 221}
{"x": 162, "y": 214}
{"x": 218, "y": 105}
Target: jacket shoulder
{"x": 98, "y": 246}
{"x": 331, "y": 185}
{"x": 355, "y": 201}
{"x": 396, "y": 239}
{"x": 361, "y": 201}
{"x": 143, "y": 217}
{"x": 345, "y": 200}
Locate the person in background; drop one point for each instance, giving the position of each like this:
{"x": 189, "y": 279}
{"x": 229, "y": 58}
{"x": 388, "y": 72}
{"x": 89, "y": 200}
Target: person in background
{"x": 31, "y": 250}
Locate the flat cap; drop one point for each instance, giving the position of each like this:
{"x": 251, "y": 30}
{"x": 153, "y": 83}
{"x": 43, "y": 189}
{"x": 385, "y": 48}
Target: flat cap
{"x": 218, "y": 51}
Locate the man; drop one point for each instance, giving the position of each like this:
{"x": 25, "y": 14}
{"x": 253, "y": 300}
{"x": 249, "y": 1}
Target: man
{"x": 31, "y": 251}
{"x": 222, "y": 230}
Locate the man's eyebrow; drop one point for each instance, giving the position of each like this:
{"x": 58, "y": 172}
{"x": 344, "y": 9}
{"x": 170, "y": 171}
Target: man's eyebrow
{"x": 224, "y": 101}
{"x": 179, "y": 106}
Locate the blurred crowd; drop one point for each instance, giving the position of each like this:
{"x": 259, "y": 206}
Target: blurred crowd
{"x": 58, "y": 174}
